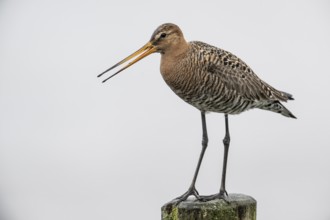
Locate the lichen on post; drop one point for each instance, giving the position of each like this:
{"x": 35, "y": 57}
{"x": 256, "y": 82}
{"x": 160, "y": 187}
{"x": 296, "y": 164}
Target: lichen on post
{"x": 237, "y": 207}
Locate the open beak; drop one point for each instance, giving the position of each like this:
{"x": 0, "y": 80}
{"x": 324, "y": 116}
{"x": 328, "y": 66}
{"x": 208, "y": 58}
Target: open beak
{"x": 143, "y": 52}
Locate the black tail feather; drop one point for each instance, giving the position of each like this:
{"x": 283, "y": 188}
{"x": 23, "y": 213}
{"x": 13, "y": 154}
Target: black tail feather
{"x": 278, "y": 107}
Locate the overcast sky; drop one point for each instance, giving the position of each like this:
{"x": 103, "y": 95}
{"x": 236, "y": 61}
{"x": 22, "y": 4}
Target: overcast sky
{"x": 74, "y": 148}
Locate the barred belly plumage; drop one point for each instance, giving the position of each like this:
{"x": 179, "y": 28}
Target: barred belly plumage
{"x": 214, "y": 80}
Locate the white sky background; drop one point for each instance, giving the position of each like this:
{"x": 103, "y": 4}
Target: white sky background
{"x": 74, "y": 148}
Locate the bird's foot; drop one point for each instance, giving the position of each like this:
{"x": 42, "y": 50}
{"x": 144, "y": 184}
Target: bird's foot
{"x": 221, "y": 195}
{"x": 191, "y": 192}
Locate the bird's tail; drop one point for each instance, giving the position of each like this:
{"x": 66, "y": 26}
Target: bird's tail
{"x": 277, "y": 107}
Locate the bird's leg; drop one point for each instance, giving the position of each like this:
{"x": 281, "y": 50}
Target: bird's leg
{"x": 192, "y": 190}
{"x": 226, "y": 142}
{"x": 223, "y": 193}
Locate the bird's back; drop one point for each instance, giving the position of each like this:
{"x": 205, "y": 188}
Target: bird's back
{"x": 212, "y": 79}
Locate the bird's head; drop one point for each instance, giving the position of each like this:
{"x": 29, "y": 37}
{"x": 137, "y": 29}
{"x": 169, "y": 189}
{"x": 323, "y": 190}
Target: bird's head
{"x": 166, "y": 38}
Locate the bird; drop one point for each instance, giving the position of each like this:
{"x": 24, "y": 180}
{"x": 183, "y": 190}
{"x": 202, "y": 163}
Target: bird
{"x": 212, "y": 80}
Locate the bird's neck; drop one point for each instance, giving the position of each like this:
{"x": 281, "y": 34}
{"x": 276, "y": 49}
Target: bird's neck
{"x": 172, "y": 56}
{"x": 177, "y": 48}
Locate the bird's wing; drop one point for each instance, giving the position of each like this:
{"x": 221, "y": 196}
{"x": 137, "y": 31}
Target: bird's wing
{"x": 238, "y": 77}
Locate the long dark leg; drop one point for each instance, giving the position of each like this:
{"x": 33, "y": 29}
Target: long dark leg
{"x": 226, "y": 142}
{"x": 192, "y": 190}
{"x": 222, "y": 193}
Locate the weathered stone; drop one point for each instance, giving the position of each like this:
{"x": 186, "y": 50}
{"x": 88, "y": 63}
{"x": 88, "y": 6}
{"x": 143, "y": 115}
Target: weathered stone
{"x": 237, "y": 207}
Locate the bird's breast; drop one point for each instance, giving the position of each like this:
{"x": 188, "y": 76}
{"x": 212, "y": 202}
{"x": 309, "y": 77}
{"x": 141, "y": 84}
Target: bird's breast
{"x": 192, "y": 82}
{"x": 185, "y": 80}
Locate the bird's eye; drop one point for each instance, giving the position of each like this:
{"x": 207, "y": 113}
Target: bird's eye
{"x": 163, "y": 35}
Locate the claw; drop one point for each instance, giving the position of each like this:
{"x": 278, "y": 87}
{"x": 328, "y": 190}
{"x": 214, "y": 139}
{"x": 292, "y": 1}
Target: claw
{"x": 191, "y": 192}
{"x": 221, "y": 195}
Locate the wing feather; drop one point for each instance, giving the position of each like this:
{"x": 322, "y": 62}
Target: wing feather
{"x": 237, "y": 76}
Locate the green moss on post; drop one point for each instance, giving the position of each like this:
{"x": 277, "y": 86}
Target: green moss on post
{"x": 239, "y": 207}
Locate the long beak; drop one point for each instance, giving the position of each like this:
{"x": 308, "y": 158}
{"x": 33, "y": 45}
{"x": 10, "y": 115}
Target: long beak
{"x": 143, "y": 52}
